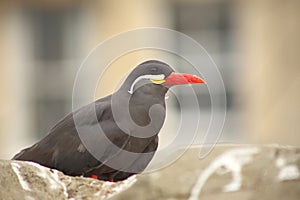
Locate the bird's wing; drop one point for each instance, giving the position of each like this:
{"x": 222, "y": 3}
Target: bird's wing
{"x": 62, "y": 148}
{"x": 120, "y": 165}
{"x": 78, "y": 148}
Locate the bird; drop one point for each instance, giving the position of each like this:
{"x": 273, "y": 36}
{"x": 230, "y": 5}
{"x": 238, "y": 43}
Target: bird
{"x": 114, "y": 137}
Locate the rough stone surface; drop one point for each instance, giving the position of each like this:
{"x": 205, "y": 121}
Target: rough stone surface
{"x": 229, "y": 172}
{"x": 29, "y": 181}
{"x": 267, "y": 172}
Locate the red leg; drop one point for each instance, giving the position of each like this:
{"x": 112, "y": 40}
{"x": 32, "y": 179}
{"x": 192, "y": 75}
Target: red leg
{"x": 94, "y": 176}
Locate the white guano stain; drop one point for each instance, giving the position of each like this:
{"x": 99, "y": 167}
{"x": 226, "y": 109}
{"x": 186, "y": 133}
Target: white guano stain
{"x": 55, "y": 175}
{"x": 232, "y": 160}
{"x": 29, "y": 198}
{"x": 289, "y": 172}
{"x": 286, "y": 171}
{"x": 280, "y": 162}
{"x": 16, "y": 168}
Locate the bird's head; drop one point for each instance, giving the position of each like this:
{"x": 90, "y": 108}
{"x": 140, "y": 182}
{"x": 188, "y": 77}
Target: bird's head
{"x": 156, "y": 73}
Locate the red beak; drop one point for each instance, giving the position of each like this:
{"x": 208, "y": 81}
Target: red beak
{"x": 180, "y": 79}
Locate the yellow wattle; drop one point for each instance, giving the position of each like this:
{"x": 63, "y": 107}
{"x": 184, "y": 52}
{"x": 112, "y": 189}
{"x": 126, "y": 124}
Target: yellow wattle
{"x": 157, "y": 81}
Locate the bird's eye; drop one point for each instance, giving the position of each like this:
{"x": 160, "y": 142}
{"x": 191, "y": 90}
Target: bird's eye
{"x": 154, "y": 69}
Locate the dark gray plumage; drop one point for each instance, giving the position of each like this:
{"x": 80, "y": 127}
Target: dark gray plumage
{"x": 63, "y": 149}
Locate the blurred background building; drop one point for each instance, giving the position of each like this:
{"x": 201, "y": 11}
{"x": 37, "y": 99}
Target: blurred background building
{"x": 255, "y": 44}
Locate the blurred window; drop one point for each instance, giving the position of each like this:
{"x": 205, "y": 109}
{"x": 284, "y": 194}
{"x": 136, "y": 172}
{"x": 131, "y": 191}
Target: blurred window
{"x": 210, "y": 24}
{"x": 55, "y": 45}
